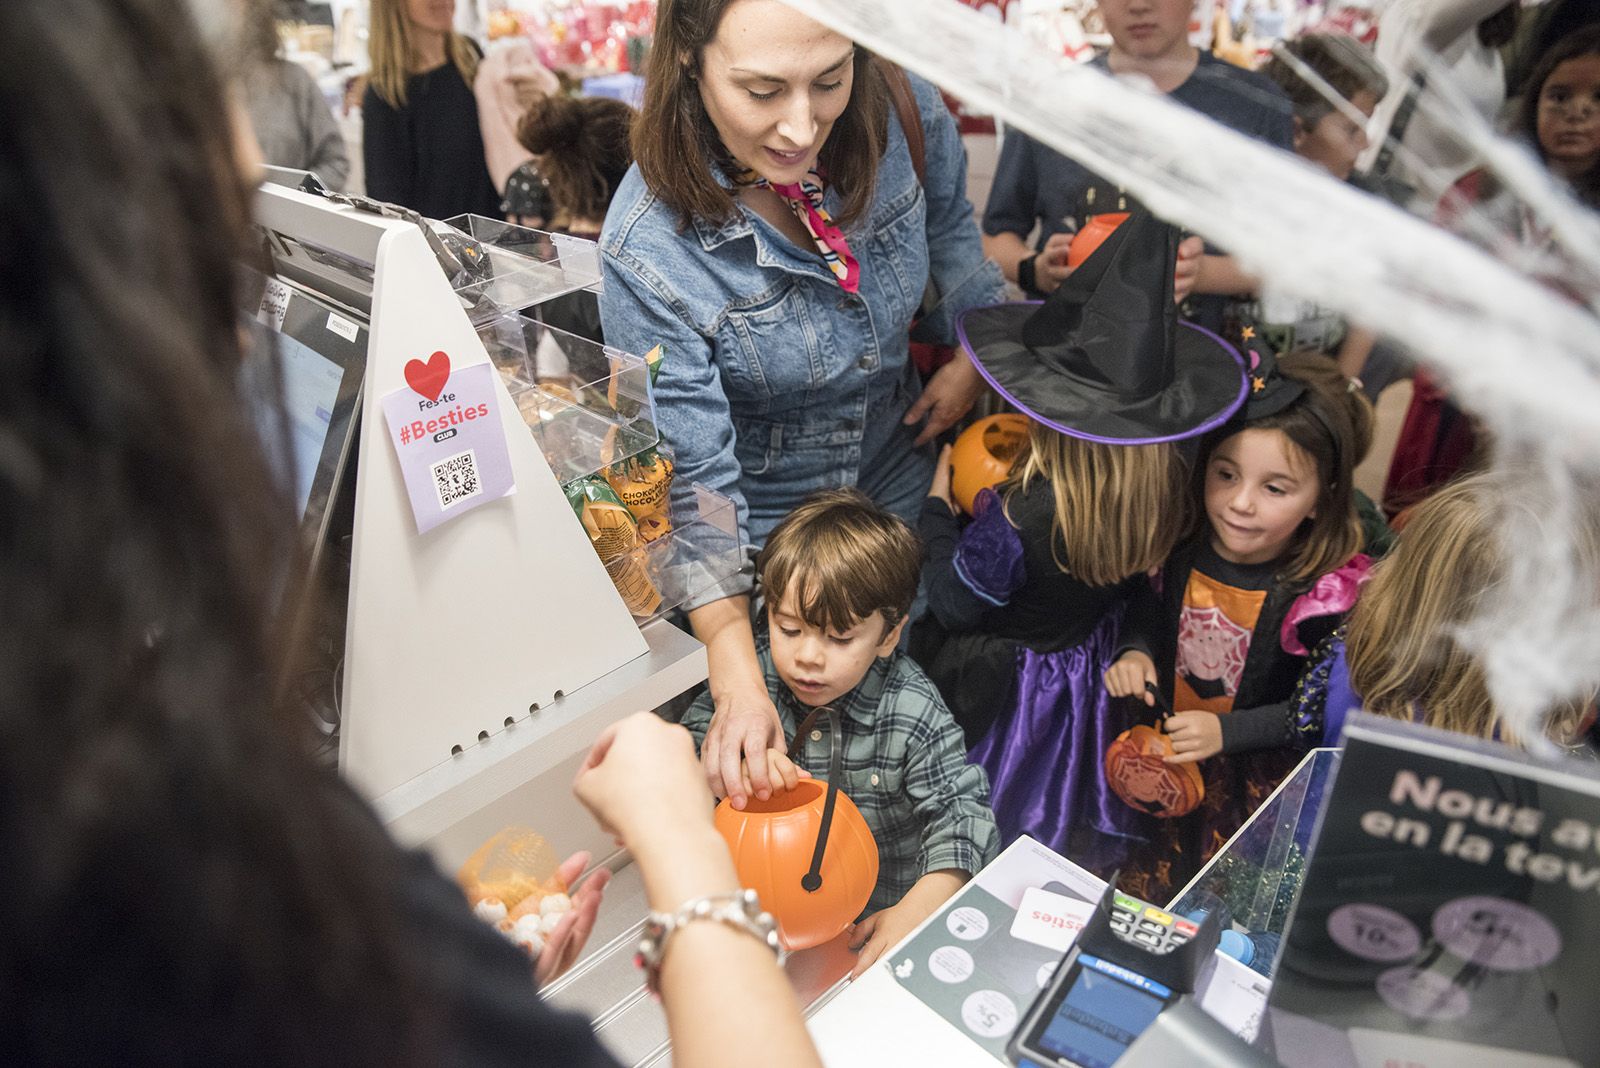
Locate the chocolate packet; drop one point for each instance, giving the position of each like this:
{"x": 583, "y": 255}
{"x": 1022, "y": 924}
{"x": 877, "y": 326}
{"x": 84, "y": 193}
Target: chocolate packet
{"x": 614, "y": 533}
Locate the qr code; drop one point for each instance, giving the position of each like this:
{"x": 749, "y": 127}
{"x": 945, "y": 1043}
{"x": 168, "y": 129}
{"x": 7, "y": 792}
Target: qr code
{"x": 456, "y": 479}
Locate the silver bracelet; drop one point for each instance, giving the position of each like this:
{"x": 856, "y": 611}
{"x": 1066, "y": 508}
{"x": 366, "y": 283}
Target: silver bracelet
{"x": 740, "y": 910}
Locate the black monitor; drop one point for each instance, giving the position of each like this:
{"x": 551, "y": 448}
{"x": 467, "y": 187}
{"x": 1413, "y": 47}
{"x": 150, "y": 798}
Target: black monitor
{"x": 322, "y": 357}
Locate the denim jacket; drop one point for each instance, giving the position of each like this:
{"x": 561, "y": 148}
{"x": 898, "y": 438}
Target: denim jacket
{"x": 776, "y": 381}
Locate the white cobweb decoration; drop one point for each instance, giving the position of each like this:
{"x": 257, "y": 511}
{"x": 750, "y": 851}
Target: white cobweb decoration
{"x": 1522, "y": 357}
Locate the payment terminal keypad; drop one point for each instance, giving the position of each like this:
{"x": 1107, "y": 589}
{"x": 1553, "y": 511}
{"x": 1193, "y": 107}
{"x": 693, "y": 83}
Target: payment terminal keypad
{"x": 1152, "y": 930}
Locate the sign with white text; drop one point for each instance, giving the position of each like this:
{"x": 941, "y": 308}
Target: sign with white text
{"x": 1447, "y": 917}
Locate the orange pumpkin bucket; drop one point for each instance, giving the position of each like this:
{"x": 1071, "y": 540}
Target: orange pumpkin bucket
{"x": 1090, "y": 236}
{"x": 808, "y": 851}
{"x": 983, "y": 455}
{"x": 1138, "y": 773}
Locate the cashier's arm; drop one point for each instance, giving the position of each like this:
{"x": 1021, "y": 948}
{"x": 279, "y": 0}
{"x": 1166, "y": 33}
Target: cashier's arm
{"x": 745, "y": 721}
{"x": 874, "y": 936}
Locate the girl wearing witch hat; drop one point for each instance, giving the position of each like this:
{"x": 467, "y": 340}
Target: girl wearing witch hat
{"x": 1031, "y": 592}
{"x": 1268, "y": 576}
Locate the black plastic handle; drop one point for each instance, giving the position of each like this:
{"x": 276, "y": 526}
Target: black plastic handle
{"x": 811, "y": 881}
{"x": 1163, "y": 706}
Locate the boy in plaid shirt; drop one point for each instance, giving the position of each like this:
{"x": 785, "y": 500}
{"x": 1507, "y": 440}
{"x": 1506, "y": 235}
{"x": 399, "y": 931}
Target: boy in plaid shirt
{"x": 839, "y": 575}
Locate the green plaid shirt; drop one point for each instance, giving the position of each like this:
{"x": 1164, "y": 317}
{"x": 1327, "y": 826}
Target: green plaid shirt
{"x": 905, "y": 767}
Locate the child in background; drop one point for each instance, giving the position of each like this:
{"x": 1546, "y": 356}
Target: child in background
{"x": 1323, "y": 374}
{"x": 1331, "y": 133}
{"x": 1400, "y": 654}
{"x": 1032, "y": 590}
{"x": 839, "y": 574}
{"x": 581, "y": 150}
{"x": 1333, "y": 83}
{"x": 1560, "y": 117}
{"x": 1270, "y": 574}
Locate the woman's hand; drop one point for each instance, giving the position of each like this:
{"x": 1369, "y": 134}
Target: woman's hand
{"x": 744, "y": 729}
{"x": 1129, "y": 674}
{"x": 941, "y": 479}
{"x": 949, "y": 395}
{"x": 1195, "y": 736}
{"x": 562, "y": 946}
{"x": 641, "y": 780}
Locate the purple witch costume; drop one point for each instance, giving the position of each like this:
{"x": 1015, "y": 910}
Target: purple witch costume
{"x": 1022, "y": 673}
{"x": 1103, "y": 359}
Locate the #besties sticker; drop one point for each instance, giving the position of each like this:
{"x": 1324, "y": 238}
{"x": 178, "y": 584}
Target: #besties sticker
{"x": 1050, "y": 920}
{"x": 446, "y": 430}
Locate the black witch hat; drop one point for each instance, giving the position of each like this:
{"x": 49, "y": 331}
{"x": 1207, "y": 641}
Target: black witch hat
{"x": 1106, "y": 358}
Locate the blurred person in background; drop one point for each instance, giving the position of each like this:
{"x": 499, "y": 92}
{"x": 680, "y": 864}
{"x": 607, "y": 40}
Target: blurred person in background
{"x": 421, "y": 141}
{"x": 290, "y": 116}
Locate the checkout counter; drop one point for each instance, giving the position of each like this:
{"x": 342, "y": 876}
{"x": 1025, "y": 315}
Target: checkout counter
{"x": 479, "y": 660}
{"x": 450, "y": 757}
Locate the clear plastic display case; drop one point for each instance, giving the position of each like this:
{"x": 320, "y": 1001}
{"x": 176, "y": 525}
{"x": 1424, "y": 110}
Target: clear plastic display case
{"x": 592, "y": 408}
{"x": 701, "y": 550}
{"x": 1255, "y": 877}
{"x": 505, "y": 268}
{"x": 589, "y": 406}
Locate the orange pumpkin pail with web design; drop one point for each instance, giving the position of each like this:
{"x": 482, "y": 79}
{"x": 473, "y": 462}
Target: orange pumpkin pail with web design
{"x": 808, "y": 852}
{"x": 1137, "y": 773}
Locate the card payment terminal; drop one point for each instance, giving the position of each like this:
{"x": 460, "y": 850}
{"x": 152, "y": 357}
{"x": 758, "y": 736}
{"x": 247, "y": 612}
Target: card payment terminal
{"x": 1131, "y": 962}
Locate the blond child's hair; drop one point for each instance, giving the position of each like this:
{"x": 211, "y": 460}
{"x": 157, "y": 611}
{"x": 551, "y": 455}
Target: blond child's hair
{"x": 846, "y": 557}
{"x": 1403, "y": 644}
{"x": 1119, "y": 509}
{"x": 392, "y": 53}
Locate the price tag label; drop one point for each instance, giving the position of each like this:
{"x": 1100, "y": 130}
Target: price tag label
{"x": 274, "y": 303}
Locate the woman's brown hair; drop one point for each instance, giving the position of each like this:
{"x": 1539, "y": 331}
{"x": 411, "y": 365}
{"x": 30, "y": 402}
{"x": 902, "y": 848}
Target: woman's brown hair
{"x": 1403, "y": 645}
{"x": 1322, "y": 423}
{"x": 1119, "y": 509}
{"x": 581, "y": 149}
{"x": 677, "y": 146}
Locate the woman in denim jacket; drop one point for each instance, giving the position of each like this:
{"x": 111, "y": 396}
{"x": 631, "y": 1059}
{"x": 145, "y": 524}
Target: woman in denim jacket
{"x": 775, "y": 237}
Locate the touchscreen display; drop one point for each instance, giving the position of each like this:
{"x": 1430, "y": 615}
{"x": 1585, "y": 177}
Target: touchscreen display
{"x": 310, "y": 388}
{"x": 1100, "y": 1016}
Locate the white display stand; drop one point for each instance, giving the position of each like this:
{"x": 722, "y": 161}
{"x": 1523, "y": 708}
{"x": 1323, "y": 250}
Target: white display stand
{"x": 489, "y": 622}
{"x": 458, "y": 633}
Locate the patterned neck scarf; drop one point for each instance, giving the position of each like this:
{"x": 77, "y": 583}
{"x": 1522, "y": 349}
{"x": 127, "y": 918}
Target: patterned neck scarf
{"x": 805, "y": 200}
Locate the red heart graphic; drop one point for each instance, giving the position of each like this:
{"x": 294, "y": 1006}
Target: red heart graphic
{"x": 429, "y": 378}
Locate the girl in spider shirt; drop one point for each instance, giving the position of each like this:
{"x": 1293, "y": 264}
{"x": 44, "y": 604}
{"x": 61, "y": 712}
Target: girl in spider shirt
{"x": 1268, "y": 576}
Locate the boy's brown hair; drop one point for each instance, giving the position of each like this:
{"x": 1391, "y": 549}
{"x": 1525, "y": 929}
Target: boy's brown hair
{"x": 846, "y": 558}
{"x": 1346, "y": 64}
